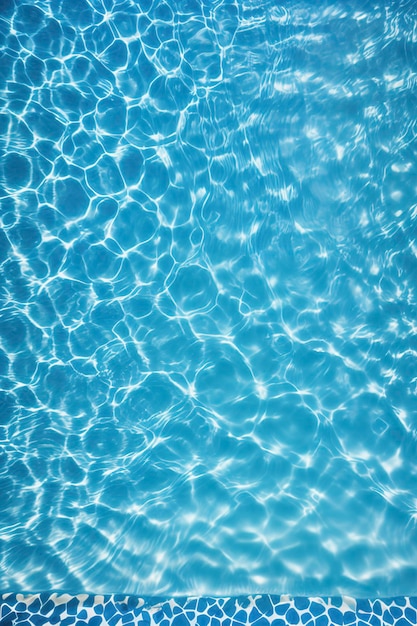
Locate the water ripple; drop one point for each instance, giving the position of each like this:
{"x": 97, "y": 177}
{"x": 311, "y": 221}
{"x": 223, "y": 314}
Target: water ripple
{"x": 208, "y": 304}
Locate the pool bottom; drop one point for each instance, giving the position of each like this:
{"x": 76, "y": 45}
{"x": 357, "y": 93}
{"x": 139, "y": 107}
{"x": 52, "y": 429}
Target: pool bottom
{"x": 261, "y": 610}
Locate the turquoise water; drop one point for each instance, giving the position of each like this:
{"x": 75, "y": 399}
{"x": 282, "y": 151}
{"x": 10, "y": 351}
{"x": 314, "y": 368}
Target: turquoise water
{"x": 208, "y": 297}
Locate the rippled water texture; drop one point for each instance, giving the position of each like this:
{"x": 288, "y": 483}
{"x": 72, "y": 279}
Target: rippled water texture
{"x": 208, "y": 296}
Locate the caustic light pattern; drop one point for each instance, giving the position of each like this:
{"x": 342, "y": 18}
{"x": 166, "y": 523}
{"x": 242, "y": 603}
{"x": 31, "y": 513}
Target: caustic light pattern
{"x": 208, "y": 299}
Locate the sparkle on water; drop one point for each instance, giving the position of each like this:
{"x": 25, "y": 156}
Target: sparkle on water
{"x": 208, "y": 330}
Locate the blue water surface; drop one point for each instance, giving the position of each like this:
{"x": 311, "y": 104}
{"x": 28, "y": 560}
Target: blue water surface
{"x": 208, "y": 323}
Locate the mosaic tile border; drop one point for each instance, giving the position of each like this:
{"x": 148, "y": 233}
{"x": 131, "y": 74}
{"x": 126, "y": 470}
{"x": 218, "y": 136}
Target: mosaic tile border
{"x": 43, "y": 609}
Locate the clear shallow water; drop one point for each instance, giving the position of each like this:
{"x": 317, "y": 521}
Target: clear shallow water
{"x": 208, "y": 318}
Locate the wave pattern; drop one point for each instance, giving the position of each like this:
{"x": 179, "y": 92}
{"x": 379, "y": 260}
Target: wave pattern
{"x": 208, "y": 297}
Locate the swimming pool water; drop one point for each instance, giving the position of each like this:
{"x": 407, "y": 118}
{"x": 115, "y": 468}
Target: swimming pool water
{"x": 208, "y": 297}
